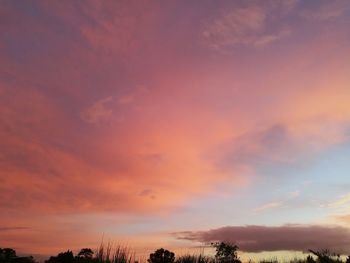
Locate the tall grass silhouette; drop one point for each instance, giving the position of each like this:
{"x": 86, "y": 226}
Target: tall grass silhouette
{"x": 109, "y": 253}
{"x": 195, "y": 259}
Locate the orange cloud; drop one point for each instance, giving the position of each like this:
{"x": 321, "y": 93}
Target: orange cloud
{"x": 343, "y": 219}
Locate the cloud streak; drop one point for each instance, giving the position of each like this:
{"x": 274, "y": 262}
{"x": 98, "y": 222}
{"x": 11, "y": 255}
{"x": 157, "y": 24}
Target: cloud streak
{"x": 14, "y": 228}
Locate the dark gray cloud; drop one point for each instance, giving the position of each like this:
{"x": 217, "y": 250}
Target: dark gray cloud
{"x": 267, "y": 238}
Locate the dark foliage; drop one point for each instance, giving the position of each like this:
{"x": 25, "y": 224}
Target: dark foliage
{"x": 194, "y": 259}
{"x": 84, "y": 256}
{"x": 310, "y": 259}
{"x": 64, "y": 257}
{"x": 8, "y": 255}
{"x": 226, "y": 252}
{"x": 325, "y": 256}
{"x": 161, "y": 256}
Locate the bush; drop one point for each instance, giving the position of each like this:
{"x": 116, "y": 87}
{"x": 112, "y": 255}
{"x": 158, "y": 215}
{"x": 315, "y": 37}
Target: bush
{"x": 64, "y": 257}
{"x": 8, "y": 255}
{"x": 325, "y": 256}
{"x": 226, "y": 252}
{"x": 161, "y": 256}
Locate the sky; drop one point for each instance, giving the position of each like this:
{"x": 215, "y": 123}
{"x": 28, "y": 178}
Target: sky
{"x": 175, "y": 124}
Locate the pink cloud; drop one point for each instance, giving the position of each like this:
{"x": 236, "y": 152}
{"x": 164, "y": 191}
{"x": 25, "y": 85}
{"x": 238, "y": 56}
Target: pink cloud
{"x": 202, "y": 122}
{"x": 247, "y": 25}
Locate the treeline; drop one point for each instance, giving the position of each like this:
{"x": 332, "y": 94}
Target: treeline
{"x": 225, "y": 253}
{"x": 8, "y": 255}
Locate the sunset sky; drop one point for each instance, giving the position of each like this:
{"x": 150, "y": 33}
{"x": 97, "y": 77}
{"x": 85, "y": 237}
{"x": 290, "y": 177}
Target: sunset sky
{"x": 174, "y": 124}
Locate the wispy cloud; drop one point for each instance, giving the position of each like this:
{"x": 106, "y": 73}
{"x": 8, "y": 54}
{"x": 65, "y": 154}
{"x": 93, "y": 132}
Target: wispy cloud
{"x": 245, "y": 26}
{"x": 99, "y": 111}
{"x": 126, "y": 99}
{"x": 327, "y": 10}
{"x": 294, "y": 194}
{"x": 344, "y": 200}
{"x": 269, "y": 38}
{"x": 340, "y": 202}
{"x": 268, "y": 206}
{"x": 14, "y": 228}
{"x": 284, "y": 202}
{"x": 344, "y": 219}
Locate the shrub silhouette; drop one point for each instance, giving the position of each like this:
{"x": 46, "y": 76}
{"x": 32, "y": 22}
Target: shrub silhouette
{"x": 64, "y": 257}
{"x": 8, "y": 255}
{"x": 85, "y": 253}
{"x": 226, "y": 252}
{"x": 310, "y": 259}
{"x": 325, "y": 256}
{"x": 347, "y": 259}
{"x": 161, "y": 256}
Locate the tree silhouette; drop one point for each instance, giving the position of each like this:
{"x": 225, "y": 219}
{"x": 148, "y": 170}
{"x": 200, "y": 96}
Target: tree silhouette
{"x": 161, "y": 256}
{"x": 226, "y": 252}
{"x": 64, "y": 257}
{"x": 7, "y": 253}
{"x": 85, "y": 253}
